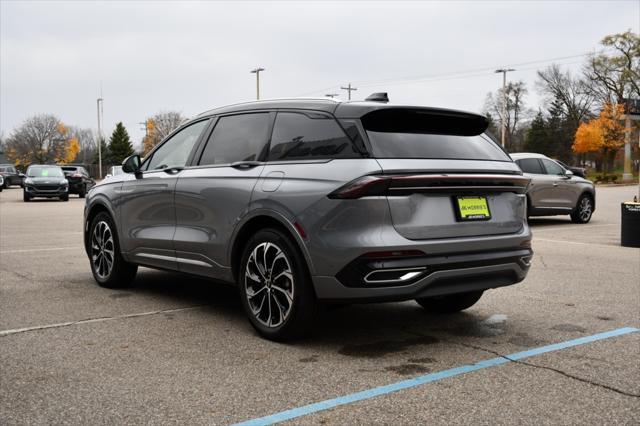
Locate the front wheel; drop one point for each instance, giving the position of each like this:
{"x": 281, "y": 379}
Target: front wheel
{"x": 583, "y": 210}
{"x": 275, "y": 286}
{"x": 107, "y": 265}
{"x": 64, "y": 197}
{"x": 450, "y": 303}
{"x": 26, "y": 197}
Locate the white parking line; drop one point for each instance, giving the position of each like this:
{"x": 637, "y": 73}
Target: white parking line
{"x": 574, "y": 242}
{"x": 90, "y": 320}
{"x": 563, "y": 227}
{"x": 40, "y": 249}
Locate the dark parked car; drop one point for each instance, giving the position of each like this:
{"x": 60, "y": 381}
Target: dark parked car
{"x": 79, "y": 180}
{"x": 45, "y": 181}
{"x": 10, "y": 175}
{"x": 305, "y": 201}
{"x": 577, "y": 171}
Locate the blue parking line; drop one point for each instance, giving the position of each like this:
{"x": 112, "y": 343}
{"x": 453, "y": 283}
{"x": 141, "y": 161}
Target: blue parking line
{"x": 433, "y": 377}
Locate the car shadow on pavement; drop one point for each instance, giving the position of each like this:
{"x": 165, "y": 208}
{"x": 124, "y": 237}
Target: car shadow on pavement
{"x": 549, "y": 221}
{"x": 379, "y": 328}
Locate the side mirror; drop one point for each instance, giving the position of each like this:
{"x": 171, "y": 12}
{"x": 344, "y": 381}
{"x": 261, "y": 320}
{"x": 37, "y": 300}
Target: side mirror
{"x": 131, "y": 164}
{"x": 568, "y": 173}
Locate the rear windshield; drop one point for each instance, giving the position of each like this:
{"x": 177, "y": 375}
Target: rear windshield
{"x": 43, "y": 171}
{"x": 433, "y": 146}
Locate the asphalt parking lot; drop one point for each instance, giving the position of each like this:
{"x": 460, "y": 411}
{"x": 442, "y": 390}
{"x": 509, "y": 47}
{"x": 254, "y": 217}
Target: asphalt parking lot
{"x": 174, "y": 349}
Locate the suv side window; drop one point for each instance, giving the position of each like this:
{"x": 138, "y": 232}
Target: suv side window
{"x": 299, "y": 136}
{"x": 175, "y": 151}
{"x": 552, "y": 167}
{"x": 530, "y": 165}
{"x": 241, "y": 137}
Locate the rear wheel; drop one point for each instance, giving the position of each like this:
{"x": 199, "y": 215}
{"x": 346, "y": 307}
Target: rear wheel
{"x": 107, "y": 265}
{"x": 450, "y": 303}
{"x": 82, "y": 191}
{"x": 275, "y": 286}
{"x": 583, "y": 210}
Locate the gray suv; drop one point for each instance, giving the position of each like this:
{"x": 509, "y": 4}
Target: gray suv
{"x": 307, "y": 201}
{"x": 555, "y": 190}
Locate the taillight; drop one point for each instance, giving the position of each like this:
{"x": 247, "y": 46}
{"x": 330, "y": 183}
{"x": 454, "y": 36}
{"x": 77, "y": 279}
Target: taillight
{"x": 364, "y": 186}
{"x": 76, "y": 175}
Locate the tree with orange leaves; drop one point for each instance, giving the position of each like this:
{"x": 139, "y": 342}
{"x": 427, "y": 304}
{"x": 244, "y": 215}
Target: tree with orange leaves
{"x": 41, "y": 139}
{"x": 604, "y": 135}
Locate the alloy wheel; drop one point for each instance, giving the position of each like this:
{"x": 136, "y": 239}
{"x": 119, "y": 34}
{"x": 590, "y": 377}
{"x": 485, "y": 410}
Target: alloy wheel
{"x": 102, "y": 250}
{"x": 585, "y": 209}
{"x": 269, "y": 285}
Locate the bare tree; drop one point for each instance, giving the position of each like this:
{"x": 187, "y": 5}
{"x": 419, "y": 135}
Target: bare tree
{"x": 86, "y": 141}
{"x": 573, "y": 94}
{"x": 515, "y": 109}
{"x": 616, "y": 76}
{"x": 159, "y": 127}
{"x": 40, "y": 139}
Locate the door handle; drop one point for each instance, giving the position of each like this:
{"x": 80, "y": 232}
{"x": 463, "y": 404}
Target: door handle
{"x": 172, "y": 170}
{"x": 555, "y": 184}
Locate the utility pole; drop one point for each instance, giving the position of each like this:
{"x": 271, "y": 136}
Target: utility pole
{"x": 349, "y": 89}
{"x": 257, "y": 73}
{"x": 332, "y": 95}
{"x": 100, "y": 110}
{"x": 504, "y": 72}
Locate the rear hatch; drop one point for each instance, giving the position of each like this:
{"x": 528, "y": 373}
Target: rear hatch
{"x": 445, "y": 178}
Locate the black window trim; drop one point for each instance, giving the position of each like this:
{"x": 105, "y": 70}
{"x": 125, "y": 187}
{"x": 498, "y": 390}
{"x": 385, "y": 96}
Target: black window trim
{"x": 313, "y": 160}
{"x": 148, "y": 158}
{"x": 201, "y": 145}
{"x": 540, "y": 163}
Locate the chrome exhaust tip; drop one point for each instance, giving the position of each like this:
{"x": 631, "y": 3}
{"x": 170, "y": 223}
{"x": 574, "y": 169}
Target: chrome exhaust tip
{"x": 393, "y": 276}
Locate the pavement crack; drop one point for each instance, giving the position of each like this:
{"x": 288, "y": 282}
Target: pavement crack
{"x": 543, "y": 367}
{"x": 97, "y": 319}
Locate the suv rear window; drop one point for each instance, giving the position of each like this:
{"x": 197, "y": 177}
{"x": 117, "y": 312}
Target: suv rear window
{"x": 433, "y": 146}
{"x": 430, "y": 134}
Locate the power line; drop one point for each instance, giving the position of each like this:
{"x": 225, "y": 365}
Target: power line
{"x": 452, "y": 75}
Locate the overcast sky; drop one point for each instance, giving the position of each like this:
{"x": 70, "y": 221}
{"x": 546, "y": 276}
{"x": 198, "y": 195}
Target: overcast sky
{"x": 192, "y": 56}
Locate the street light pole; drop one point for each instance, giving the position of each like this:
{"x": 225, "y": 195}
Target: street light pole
{"x": 504, "y": 72}
{"x": 99, "y": 104}
{"x": 257, "y": 73}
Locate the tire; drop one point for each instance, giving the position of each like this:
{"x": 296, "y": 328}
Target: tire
{"x": 451, "y": 303}
{"x": 26, "y": 197}
{"x": 82, "y": 192}
{"x": 5, "y": 184}
{"x": 103, "y": 244}
{"x": 64, "y": 197}
{"x": 583, "y": 210}
{"x": 291, "y": 289}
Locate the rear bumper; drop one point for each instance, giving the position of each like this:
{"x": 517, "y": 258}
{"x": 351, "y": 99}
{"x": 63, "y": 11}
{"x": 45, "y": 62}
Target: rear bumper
{"x": 75, "y": 186}
{"x": 440, "y": 275}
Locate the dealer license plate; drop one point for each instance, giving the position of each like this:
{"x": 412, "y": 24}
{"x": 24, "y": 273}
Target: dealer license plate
{"x": 472, "y": 208}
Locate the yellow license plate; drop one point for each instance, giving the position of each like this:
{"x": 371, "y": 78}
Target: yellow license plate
{"x": 472, "y": 208}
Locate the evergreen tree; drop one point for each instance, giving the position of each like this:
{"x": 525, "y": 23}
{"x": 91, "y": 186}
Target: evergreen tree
{"x": 536, "y": 139}
{"x": 559, "y": 136}
{"x": 119, "y": 145}
{"x": 104, "y": 152}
